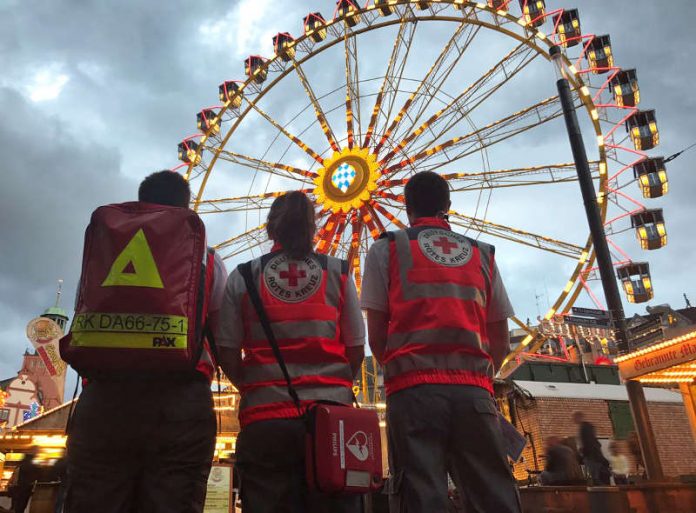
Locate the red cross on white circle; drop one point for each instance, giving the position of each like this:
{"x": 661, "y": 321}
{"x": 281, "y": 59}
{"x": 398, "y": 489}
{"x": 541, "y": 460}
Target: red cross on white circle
{"x": 293, "y": 275}
{"x": 445, "y": 245}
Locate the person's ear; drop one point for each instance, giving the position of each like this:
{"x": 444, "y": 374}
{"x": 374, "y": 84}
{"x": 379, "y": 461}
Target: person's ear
{"x": 409, "y": 215}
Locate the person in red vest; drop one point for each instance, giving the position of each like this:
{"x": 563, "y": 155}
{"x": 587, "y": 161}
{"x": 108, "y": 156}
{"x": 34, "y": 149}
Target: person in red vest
{"x": 144, "y": 441}
{"x": 437, "y": 315}
{"x": 312, "y": 305}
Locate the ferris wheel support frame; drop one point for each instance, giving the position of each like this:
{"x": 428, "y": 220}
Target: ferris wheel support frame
{"x": 636, "y": 396}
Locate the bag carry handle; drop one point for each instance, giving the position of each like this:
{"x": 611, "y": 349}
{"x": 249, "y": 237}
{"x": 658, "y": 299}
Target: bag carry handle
{"x": 245, "y": 271}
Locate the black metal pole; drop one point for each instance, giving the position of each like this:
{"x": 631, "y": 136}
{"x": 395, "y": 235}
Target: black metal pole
{"x": 636, "y": 397}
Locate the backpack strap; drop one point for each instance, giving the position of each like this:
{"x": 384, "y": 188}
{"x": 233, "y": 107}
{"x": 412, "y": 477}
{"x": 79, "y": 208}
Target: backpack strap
{"x": 204, "y": 291}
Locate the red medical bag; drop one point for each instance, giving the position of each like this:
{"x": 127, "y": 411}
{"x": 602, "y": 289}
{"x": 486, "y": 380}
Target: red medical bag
{"x": 344, "y": 449}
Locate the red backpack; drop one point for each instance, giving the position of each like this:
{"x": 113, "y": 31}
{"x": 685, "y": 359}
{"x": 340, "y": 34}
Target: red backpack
{"x": 143, "y": 296}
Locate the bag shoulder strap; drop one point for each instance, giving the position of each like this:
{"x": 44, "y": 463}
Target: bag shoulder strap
{"x": 245, "y": 271}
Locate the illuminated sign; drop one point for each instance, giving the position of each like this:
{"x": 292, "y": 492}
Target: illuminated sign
{"x": 646, "y": 362}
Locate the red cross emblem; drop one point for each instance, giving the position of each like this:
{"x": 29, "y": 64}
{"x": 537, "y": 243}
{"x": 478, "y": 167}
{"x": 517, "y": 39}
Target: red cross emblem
{"x": 293, "y": 275}
{"x": 292, "y": 281}
{"x": 445, "y": 245}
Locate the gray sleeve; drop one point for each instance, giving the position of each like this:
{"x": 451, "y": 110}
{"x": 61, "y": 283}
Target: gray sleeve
{"x": 217, "y": 293}
{"x": 499, "y": 306}
{"x": 375, "y": 288}
{"x": 351, "y": 320}
{"x": 231, "y": 328}
{"x": 219, "y": 282}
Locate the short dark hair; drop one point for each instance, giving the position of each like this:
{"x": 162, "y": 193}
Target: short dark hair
{"x": 427, "y": 194}
{"x": 165, "y": 188}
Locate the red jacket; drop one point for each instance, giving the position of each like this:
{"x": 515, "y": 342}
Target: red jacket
{"x": 303, "y": 300}
{"x": 439, "y": 288}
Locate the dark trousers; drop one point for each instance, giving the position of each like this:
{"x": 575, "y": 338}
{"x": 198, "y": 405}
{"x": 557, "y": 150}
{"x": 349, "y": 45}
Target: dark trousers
{"x": 439, "y": 429}
{"x": 140, "y": 447}
{"x": 598, "y": 468}
{"x": 20, "y": 500}
{"x": 271, "y": 465}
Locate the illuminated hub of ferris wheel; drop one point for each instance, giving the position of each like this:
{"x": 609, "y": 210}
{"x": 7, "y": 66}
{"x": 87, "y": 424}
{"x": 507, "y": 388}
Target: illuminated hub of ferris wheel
{"x": 357, "y": 181}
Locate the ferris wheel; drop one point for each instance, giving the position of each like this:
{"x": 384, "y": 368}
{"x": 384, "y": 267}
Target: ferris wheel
{"x": 348, "y": 109}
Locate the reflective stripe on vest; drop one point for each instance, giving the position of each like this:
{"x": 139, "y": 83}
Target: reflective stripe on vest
{"x": 303, "y": 307}
{"x": 272, "y": 372}
{"x": 436, "y": 336}
{"x": 278, "y": 394}
{"x": 437, "y": 330}
{"x": 298, "y": 329}
{"x": 445, "y": 362}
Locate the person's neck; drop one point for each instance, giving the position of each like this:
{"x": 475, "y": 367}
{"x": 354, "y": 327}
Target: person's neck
{"x": 430, "y": 221}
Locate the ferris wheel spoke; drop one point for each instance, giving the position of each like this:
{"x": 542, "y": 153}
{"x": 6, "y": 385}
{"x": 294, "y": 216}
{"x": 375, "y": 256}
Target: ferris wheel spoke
{"x": 435, "y": 77}
{"x": 526, "y": 238}
{"x": 241, "y": 203}
{"x": 500, "y": 231}
{"x": 244, "y": 242}
{"x": 378, "y": 222}
{"x": 352, "y": 89}
{"x": 338, "y": 235}
{"x": 392, "y": 78}
{"x": 431, "y": 95}
{"x": 325, "y": 235}
{"x": 388, "y": 215}
{"x": 355, "y": 236}
{"x": 466, "y": 102}
{"x": 510, "y": 126}
{"x": 318, "y": 110}
{"x": 526, "y": 176}
{"x": 370, "y": 223}
{"x": 304, "y": 147}
{"x": 274, "y": 168}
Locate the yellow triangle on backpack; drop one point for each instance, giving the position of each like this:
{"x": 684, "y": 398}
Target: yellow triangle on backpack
{"x": 137, "y": 254}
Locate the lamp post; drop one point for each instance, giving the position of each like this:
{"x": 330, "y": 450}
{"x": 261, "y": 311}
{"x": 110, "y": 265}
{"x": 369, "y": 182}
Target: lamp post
{"x": 636, "y": 396}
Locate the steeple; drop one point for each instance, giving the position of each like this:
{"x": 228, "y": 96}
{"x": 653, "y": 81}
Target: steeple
{"x": 55, "y": 312}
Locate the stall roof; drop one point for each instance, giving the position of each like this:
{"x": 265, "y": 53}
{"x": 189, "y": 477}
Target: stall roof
{"x": 594, "y": 391}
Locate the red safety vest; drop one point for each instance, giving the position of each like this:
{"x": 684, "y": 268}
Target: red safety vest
{"x": 303, "y": 300}
{"x": 144, "y": 293}
{"x": 439, "y": 288}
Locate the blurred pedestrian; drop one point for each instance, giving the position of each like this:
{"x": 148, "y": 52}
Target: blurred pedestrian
{"x": 22, "y": 481}
{"x": 591, "y": 454}
{"x": 312, "y": 305}
{"x": 619, "y": 464}
{"x": 437, "y": 315}
{"x": 562, "y": 467}
{"x": 60, "y": 473}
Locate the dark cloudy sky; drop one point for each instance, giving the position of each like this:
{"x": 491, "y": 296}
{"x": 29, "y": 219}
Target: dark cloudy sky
{"x": 95, "y": 95}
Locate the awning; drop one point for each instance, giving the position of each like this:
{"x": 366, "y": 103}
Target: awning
{"x": 542, "y": 389}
